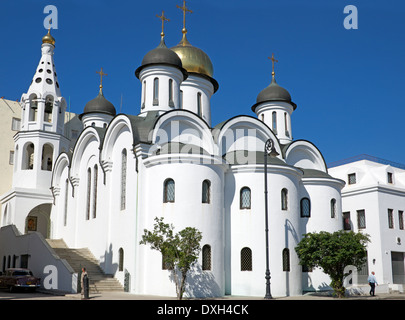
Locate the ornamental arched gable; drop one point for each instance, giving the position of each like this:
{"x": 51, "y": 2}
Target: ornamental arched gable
{"x": 183, "y": 127}
{"x": 306, "y": 155}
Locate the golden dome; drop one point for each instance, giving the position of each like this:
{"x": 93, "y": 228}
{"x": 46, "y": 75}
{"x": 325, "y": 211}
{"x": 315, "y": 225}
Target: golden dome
{"x": 193, "y": 58}
{"x": 48, "y": 38}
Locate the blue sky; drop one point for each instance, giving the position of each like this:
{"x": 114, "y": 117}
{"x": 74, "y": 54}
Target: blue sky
{"x": 348, "y": 84}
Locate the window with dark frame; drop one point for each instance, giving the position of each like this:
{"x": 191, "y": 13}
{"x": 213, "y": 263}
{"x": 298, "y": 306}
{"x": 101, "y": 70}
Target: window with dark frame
{"x": 206, "y": 258}
{"x": 246, "y": 259}
{"x": 346, "y": 221}
{"x": 305, "y": 205}
{"x": 245, "y": 198}
{"x": 391, "y": 218}
{"x": 351, "y": 178}
{"x": 361, "y": 219}
{"x": 401, "y": 219}
{"x": 168, "y": 191}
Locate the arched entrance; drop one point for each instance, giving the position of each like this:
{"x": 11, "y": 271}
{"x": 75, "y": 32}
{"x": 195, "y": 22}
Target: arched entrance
{"x": 38, "y": 220}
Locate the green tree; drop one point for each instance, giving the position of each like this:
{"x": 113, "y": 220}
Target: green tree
{"x": 333, "y": 252}
{"x": 179, "y": 251}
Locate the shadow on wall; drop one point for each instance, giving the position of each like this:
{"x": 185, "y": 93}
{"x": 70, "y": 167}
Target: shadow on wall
{"x": 200, "y": 283}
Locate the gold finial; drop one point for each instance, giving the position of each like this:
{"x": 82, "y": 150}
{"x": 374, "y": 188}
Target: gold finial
{"x": 101, "y": 73}
{"x": 185, "y": 10}
{"x": 273, "y": 60}
{"x": 48, "y": 37}
{"x": 163, "y": 18}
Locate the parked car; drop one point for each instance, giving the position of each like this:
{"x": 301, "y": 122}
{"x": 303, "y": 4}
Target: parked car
{"x": 15, "y": 278}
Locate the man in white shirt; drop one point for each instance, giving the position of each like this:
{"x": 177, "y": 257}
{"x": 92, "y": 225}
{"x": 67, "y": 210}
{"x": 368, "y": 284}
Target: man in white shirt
{"x": 372, "y": 281}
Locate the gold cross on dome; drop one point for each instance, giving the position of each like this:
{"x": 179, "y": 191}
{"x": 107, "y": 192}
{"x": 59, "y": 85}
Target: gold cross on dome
{"x": 163, "y": 18}
{"x": 101, "y": 73}
{"x": 185, "y": 10}
{"x": 273, "y": 60}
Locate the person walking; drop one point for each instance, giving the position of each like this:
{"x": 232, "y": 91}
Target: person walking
{"x": 372, "y": 281}
{"x": 84, "y": 280}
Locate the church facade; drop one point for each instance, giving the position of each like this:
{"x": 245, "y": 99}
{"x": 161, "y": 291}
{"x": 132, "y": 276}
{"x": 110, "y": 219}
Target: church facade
{"x": 170, "y": 161}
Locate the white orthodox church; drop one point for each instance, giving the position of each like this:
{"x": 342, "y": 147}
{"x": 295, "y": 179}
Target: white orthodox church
{"x": 168, "y": 161}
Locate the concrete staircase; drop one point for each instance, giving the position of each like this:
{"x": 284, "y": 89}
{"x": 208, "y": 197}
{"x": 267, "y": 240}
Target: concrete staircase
{"x": 78, "y": 258}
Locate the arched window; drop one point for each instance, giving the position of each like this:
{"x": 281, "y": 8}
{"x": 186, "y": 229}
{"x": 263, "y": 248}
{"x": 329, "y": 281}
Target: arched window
{"x": 47, "y": 157}
{"x": 123, "y": 178}
{"x": 206, "y": 191}
{"x": 88, "y": 199}
{"x": 168, "y": 191}
{"x": 305, "y": 208}
{"x": 171, "y": 103}
{"x": 286, "y": 259}
{"x": 245, "y": 198}
{"x": 65, "y": 209}
{"x": 144, "y": 95}
{"x": 48, "y": 109}
{"x": 284, "y": 199}
{"x": 246, "y": 259}
{"x": 199, "y": 111}
{"x": 28, "y": 156}
{"x": 181, "y": 99}
{"x": 287, "y": 133}
{"x": 333, "y": 208}
{"x": 155, "y": 91}
{"x": 206, "y": 257}
{"x": 274, "y": 121}
{"x": 33, "y": 108}
{"x": 121, "y": 259}
{"x": 95, "y": 178}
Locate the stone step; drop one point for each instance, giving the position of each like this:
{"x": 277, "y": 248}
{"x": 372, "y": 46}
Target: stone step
{"x": 82, "y": 257}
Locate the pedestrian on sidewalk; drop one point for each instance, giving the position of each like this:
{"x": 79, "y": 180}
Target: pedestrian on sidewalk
{"x": 372, "y": 281}
{"x": 84, "y": 280}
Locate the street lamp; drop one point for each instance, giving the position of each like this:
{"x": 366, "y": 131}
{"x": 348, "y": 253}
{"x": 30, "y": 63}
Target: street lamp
{"x": 269, "y": 150}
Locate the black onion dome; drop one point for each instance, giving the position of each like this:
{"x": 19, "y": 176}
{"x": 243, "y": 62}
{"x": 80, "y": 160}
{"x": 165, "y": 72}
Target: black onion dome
{"x": 161, "y": 55}
{"x": 273, "y": 93}
{"x": 99, "y": 105}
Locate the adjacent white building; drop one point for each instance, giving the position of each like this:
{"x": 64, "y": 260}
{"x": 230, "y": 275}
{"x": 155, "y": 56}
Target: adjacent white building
{"x": 373, "y": 202}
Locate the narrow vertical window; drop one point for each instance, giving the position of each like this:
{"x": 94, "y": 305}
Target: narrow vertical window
{"x": 168, "y": 191}
{"x": 206, "y": 191}
{"x": 284, "y": 199}
{"x": 286, "y": 259}
{"x": 286, "y": 124}
{"x": 199, "y": 111}
{"x": 123, "y": 178}
{"x": 95, "y": 177}
{"x": 121, "y": 259}
{"x": 88, "y": 194}
{"x": 333, "y": 208}
{"x": 390, "y": 219}
{"x": 361, "y": 219}
{"x": 346, "y": 221}
{"x": 144, "y": 95}
{"x": 171, "y": 104}
{"x": 181, "y": 99}
{"x": 246, "y": 259}
{"x": 390, "y": 177}
{"x": 245, "y": 198}
{"x": 155, "y": 91}
{"x": 274, "y": 121}
{"x": 305, "y": 208}
{"x": 206, "y": 258}
{"x": 401, "y": 219}
{"x": 65, "y": 208}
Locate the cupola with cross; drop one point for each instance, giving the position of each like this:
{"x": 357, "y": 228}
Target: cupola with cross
{"x": 160, "y": 73}
{"x": 274, "y": 107}
{"x": 196, "y": 91}
{"x": 99, "y": 111}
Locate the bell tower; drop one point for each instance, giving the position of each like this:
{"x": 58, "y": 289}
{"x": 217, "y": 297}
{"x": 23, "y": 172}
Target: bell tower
{"x": 37, "y": 144}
